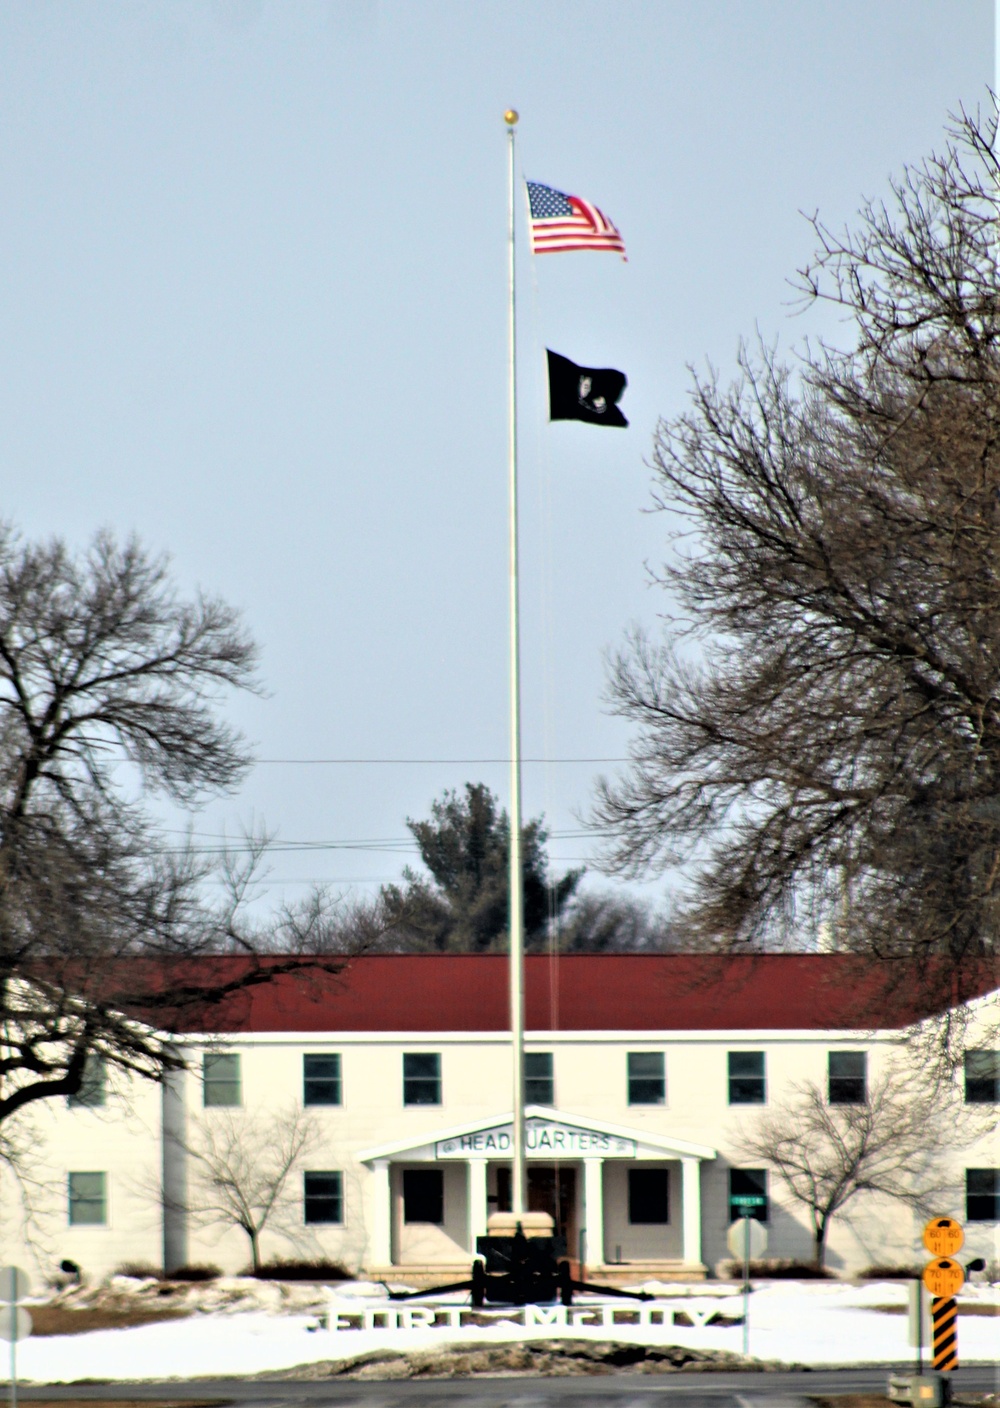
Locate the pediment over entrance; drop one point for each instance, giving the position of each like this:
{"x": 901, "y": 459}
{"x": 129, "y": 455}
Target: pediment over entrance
{"x": 550, "y": 1134}
{"x": 543, "y": 1138}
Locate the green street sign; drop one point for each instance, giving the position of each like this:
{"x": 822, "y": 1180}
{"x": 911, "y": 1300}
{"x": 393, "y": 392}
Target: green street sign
{"x": 748, "y": 1200}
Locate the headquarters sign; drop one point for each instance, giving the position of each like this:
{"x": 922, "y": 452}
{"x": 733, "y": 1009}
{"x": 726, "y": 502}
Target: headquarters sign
{"x": 543, "y": 1139}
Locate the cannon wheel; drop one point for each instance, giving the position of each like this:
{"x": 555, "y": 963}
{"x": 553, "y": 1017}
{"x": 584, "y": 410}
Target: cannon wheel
{"x": 565, "y": 1284}
{"x": 478, "y": 1283}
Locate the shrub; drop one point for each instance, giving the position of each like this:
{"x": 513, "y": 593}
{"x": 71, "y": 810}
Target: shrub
{"x": 139, "y": 1271}
{"x": 892, "y": 1273}
{"x": 196, "y": 1272}
{"x": 777, "y": 1269}
{"x": 318, "y": 1270}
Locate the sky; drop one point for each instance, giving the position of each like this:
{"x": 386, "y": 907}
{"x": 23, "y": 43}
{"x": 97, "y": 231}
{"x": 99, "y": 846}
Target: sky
{"x": 253, "y": 293}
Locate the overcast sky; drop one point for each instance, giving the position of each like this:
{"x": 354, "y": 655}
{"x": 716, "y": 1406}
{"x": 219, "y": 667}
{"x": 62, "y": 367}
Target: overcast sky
{"x": 253, "y": 304}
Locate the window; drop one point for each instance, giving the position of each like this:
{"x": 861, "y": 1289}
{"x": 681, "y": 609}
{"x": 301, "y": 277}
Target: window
{"x": 323, "y": 1198}
{"x": 848, "y": 1082}
{"x": 321, "y": 1080}
{"x": 93, "y": 1092}
{"x": 647, "y": 1083}
{"x": 747, "y": 1189}
{"x": 539, "y": 1084}
{"x": 221, "y": 1079}
{"x": 982, "y": 1195}
{"x": 982, "y": 1077}
{"x": 648, "y": 1195}
{"x": 88, "y": 1199}
{"x": 421, "y": 1082}
{"x": 423, "y": 1195}
{"x": 746, "y": 1078}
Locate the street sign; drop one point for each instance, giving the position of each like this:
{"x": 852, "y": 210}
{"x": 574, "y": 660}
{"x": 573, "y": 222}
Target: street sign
{"x": 746, "y": 1238}
{"x": 748, "y": 1200}
{"x": 943, "y": 1277}
{"x": 15, "y": 1284}
{"x": 15, "y": 1323}
{"x": 943, "y": 1236}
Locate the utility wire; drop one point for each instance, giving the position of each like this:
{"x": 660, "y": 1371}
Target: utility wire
{"x": 420, "y": 762}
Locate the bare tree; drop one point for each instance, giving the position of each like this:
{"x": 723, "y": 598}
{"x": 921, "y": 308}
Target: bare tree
{"x": 110, "y": 687}
{"x": 243, "y": 1167}
{"x": 818, "y": 739}
{"x": 825, "y": 1155}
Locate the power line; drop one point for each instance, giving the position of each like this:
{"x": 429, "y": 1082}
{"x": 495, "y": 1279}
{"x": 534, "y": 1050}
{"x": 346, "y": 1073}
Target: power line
{"x": 421, "y": 762}
{"x": 390, "y": 844}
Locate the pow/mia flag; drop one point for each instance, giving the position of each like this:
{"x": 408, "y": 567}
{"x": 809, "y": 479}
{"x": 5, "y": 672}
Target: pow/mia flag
{"x": 589, "y": 394}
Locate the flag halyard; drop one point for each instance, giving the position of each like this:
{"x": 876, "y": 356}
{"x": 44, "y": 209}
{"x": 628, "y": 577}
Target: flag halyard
{"x": 561, "y": 222}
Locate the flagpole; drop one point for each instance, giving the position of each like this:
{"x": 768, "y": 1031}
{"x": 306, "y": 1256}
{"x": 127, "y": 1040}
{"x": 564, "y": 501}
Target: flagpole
{"x": 516, "y": 961}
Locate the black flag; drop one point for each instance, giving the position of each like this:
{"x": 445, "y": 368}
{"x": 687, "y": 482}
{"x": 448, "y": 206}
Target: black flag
{"x": 584, "y": 393}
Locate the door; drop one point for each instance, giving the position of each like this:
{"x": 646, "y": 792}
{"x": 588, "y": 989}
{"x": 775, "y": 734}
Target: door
{"x": 551, "y": 1189}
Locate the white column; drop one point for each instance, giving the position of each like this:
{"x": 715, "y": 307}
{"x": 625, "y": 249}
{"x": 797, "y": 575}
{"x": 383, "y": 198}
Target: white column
{"x": 593, "y": 1212}
{"x": 477, "y": 1201}
{"x": 175, "y": 1162}
{"x": 691, "y": 1211}
{"x": 381, "y": 1238}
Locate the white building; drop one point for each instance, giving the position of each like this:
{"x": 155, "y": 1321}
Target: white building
{"x": 642, "y": 1070}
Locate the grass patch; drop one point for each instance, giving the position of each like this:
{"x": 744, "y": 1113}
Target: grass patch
{"x": 534, "y": 1358}
{"x": 61, "y": 1320}
{"x": 854, "y": 1400}
{"x": 964, "y": 1308}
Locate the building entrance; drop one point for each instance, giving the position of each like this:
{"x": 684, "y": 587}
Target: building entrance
{"x": 551, "y": 1190}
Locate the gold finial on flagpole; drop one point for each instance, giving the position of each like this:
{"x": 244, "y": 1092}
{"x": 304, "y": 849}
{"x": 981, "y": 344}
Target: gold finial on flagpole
{"x": 510, "y": 117}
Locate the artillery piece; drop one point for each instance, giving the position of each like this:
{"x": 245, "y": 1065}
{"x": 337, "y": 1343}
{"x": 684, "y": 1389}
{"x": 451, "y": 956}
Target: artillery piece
{"x": 521, "y": 1261}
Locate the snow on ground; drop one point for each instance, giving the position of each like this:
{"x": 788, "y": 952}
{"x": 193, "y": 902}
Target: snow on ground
{"x": 815, "y": 1323}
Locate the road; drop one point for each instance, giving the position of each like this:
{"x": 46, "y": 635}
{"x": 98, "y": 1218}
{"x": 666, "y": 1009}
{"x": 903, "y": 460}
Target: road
{"x": 771, "y": 1390}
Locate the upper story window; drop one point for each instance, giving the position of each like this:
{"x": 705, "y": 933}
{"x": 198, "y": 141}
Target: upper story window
{"x": 982, "y": 1077}
{"x": 421, "y": 1078}
{"x": 220, "y": 1075}
{"x": 93, "y": 1092}
{"x": 848, "y": 1078}
{"x": 982, "y": 1195}
{"x": 746, "y": 1078}
{"x": 647, "y": 1080}
{"x": 88, "y": 1199}
{"x": 321, "y": 1079}
{"x": 539, "y": 1081}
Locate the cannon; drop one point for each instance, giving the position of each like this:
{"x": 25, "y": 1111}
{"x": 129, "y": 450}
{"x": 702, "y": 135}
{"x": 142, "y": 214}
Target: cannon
{"x": 521, "y": 1261}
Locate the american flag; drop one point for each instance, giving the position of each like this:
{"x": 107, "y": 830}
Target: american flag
{"x": 560, "y": 222}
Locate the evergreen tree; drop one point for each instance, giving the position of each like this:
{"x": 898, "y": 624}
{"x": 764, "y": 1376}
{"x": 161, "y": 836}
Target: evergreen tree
{"x": 463, "y": 907}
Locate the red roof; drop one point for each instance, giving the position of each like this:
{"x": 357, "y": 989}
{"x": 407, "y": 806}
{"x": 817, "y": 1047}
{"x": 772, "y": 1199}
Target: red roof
{"x": 579, "y": 992}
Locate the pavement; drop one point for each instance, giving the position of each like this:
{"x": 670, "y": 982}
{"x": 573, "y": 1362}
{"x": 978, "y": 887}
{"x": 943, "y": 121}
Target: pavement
{"x": 701, "y": 1390}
